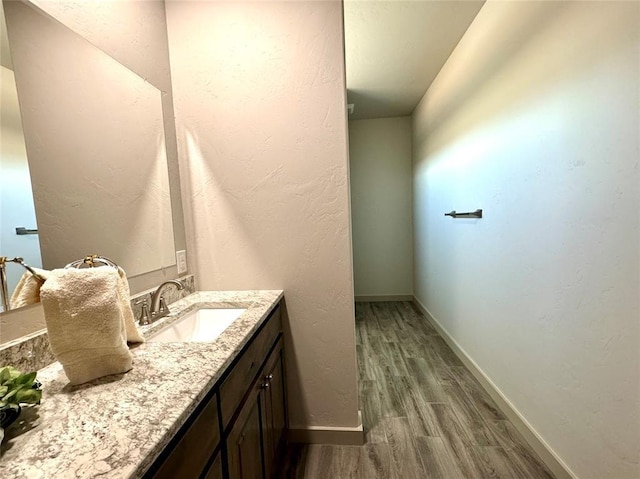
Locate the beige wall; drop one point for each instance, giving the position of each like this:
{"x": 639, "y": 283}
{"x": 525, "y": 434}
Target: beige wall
{"x": 132, "y": 32}
{"x": 535, "y": 118}
{"x": 380, "y": 167}
{"x": 261, "y": 116}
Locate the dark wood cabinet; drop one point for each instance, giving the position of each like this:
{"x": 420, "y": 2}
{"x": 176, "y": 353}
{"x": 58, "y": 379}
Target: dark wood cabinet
{"x": 215, "y": 471}
{"x": 247, "y": 368}
{"x": 256, "y": 438}
{"x": 243, "y": 420}
{"x": 191, "y": 454}
{"x": 273, "y": 412}
{"x": 244, "y": 443}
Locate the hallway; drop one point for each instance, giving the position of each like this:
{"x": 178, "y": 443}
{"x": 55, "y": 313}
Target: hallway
{"x": 424, "y": 414}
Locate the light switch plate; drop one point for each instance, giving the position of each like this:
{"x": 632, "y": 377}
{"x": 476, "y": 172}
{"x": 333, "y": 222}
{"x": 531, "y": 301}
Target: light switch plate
{"x": 181, "y": 260}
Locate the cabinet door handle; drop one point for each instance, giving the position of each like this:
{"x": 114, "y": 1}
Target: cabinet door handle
{"x": 265, "y": 385}
{"x": 268, "y": 377}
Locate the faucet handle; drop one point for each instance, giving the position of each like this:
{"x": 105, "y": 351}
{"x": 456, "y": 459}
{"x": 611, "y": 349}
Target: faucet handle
{"x": 144, "y": 313}
{"x": 163, "y": 305}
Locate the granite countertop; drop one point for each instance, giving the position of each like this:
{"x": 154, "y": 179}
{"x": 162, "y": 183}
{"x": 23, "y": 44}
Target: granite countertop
{"x": 115, "y": 427}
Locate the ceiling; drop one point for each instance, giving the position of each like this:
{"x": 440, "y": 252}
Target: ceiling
{"x": 395, "y": 49}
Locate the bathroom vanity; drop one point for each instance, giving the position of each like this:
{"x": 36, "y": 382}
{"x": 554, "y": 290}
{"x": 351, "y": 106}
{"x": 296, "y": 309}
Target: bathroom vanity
{"x": 211, "y": 410}
{"x": 244, "y": 415}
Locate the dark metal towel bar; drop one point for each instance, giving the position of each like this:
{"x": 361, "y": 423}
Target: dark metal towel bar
{"x": 470, "y": 214}
{"x": 21, "y": 230}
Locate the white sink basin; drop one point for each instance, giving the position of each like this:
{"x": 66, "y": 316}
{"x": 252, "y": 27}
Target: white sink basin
{"x": 202, "y": 325}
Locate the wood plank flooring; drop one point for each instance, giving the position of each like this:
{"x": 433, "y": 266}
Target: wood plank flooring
{"x": 424, "y": 414}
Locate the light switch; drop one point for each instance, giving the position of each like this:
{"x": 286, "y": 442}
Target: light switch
{"x": 181, "y": 260}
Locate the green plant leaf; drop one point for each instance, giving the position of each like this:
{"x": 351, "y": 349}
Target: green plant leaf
{"x": 9, "y": 396}
{"x": 5, "y": 374}
{"x": 16, "y": 388}
{"x": 30, "y": 396}
{"x": 26, "y": 378}
{"x": 8, "y": 374}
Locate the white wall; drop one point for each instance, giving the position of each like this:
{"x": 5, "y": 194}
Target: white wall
{"x": 261, "y": 116}
{"x": 380, "y": 177}
{"x": 535, "y": 118}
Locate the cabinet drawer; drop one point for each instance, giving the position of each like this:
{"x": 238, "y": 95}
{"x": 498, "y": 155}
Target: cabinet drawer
{"x": 241, "y": 377}
{"x": 190, "y": 456}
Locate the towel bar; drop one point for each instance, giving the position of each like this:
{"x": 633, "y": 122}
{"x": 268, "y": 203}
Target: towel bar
{"x": 21, "y": 230}
{"x": 92, "y": 261}
{"x": 470, "y": 214}
{"x": 20, "y": 261}
{"x": 4, "y": 293}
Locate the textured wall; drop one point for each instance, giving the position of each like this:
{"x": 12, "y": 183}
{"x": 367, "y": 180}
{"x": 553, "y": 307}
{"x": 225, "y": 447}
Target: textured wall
{"x": 535, "y": 118}
{"x": 132, "y": 32}
{"x": 261, "y": 116}
{"x": 380, "y": 165}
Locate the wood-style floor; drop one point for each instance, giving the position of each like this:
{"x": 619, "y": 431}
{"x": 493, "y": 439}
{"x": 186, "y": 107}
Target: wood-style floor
{"x": 424, "y": 414}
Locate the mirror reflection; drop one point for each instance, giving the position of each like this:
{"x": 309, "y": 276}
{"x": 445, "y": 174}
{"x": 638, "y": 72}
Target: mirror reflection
{"x": 94, "y": 140}
{"x": 16, "y": 197}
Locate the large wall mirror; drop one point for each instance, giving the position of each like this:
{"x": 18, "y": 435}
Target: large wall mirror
{"x": 84, "y": 157}
{"x": 16, "y": 195}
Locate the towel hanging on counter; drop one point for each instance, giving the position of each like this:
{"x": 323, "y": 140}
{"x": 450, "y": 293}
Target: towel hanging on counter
{"x": 96, "y": 261}
{"x": 85, "y": 320}
{"x": 124, "y": 295}
{"x": 28, "y": 288}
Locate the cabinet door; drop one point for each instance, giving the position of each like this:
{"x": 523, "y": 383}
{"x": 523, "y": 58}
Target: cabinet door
{"x": 244, "y": 444}
{"x": 278, "y": 404}
{"x": 273, "y": 405}
{"x": 215, "y": 472}
{"x": 238, "y": 382}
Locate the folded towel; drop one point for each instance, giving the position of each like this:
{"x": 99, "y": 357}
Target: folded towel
{"x": 133, "y": 334}
{"x": 85, "y": 322}
{"x": 28, "y": 289}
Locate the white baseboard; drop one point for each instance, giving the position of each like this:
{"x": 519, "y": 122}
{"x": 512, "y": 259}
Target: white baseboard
{"x": 548, "y": 455}
{"x": 384, "y": 297}
{"x": 339, "y": 436}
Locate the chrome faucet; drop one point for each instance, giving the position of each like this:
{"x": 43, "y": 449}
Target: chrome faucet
{"x": 158, "y": 307}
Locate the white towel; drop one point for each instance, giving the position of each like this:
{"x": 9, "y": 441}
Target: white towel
{"x": 85, "y": 322}
{"x": 133, "y": 334}
{"x": 28, "y": 289}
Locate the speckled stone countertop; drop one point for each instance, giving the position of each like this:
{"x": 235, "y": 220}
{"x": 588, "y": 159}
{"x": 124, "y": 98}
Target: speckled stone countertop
{"x": 115, "y": 427}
